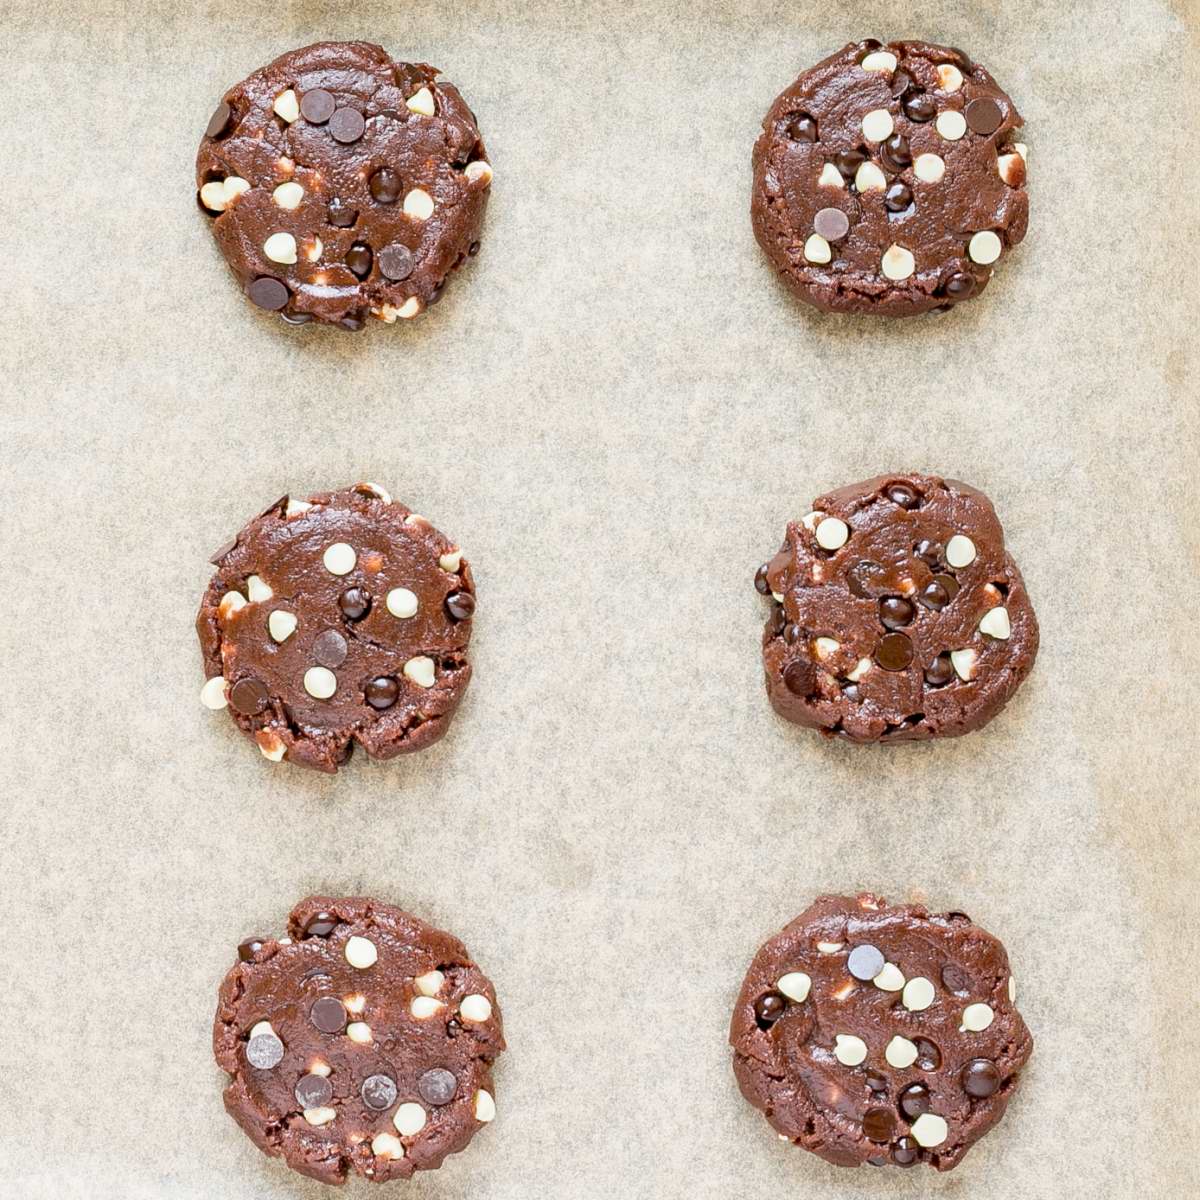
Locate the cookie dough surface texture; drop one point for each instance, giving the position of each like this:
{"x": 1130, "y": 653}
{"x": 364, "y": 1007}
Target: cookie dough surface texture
{"x": 880, "y": 1035}
{"x": 362, "y": 1041}
{"x": 339, "y": 619}
{"x": 343, "y": 185}
{"x": 896, "y": 613}
{"x": 890, "y": 179}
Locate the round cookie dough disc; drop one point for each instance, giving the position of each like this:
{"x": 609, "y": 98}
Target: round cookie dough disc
{"x": 339, "y": 619}
{"x": 897, "y": 613}
{"x": 858, "y": 1075}
{"x": 343, "y": 185}
{"x": 373, "y": 1040}
{"x": 921, "y": 152}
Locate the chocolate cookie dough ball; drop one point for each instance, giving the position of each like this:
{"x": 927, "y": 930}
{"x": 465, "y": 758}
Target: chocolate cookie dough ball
{"x": 890, "y": 179}
{"x": 362, "y": 1042}
{"x": 896, "y": 613}
{"x": 343, "y": 185}
{"x": 338, "y": 619}
{"x": 870, "y": 1034}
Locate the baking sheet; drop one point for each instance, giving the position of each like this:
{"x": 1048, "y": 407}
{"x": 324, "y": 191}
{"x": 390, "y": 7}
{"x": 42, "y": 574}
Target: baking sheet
{"x": 615, "y": 411}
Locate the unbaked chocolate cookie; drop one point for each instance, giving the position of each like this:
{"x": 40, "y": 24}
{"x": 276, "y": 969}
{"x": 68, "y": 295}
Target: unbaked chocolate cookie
{"x": 897, "y": 613}
{"x": 362, "y": 1042}
{"x": 890, "y": 179}
{"x": 343, "y": 184}
{"x": 870, "y": 1034}
{"x": 338, "y": 619}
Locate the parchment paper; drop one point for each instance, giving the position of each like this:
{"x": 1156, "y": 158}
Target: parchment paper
{"x": 615, "y": 410}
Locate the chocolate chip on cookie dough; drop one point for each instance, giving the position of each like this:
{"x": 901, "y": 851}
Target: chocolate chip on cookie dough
{"x": 890, "y": 179}
{"x": 344, "y": 185}
{"x": 880, "y": 1035}
{"x": 362, "y": 1042}
{"x": 897, "y": 613}
{"x": 338, "y": 619}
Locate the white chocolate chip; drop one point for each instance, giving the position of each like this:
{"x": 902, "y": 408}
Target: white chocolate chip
{"x": 869, "y": 178}
{"x": 231, "y": 602}
{"x": 213, "y": 196}
{"x": 890, "y": 979}
{"x": 296, "y": 507}
{"x": 877, "y": 125}
{"x": 340, "y": 559}
{"x": 420, "y": 670}
{"x": 810, "y": 520}
{"x": 795, "y": 985}
{"x": 314, "y": 250}
{"x": 320, "y": 1116}
{"x": 849, "y": 1050}
{"x": 475, "y": 1008}
{"x": 320, "y": 682}
{"x": 964, "y": 663}
{"x": 270, "y": 745}
{"x": 280, "y": 248}
{"x": 425, "y": 1006}
{"x": 1021, "y": 149}
{"x": 918, "y": 994}
{"x": 826, "y": 647}
{"x": 777, "y": 597}
{"x": 409, "y": 309}
{"x": 430, "y": 983}
{"x": 845, "y": 991}
{"x": 949, "y": 77}
{"x": 898, "y": 263}
{"x": 355, "y": 1004}
{"x": 361, "y": 952}
{"x": 930, "y": 1130}
{"x": 281, "y": 624}
{"x": 409, "y": 1119}
{"x": 1012, "y": 990}
{"x": 830, "y": 177}
{"x": 1012, "y": 169}
{"x": 360, "y": 1032}
{"x": 995, "y": 624}
{"x": 832, "y": 533}
{"x": 900, "y": 1053}
{"x": 261, "y": 1028}
{"x": 421, "y": 102}
{"x": 879, "y": 60}
{"x": 951, "y": 124}
{"x": 416, "y": 519}
{"x": 318, "y": 1068}
{"x": 402, "y": 603}
{"x": 929, "y": 168}
{"x": 418, "y": 205}
{"x": 985, "y": 247}
{"x": 479, "y": 172}
{"x": 485, "y": 1107}
{"x": 235, "y": 185}
{"x": 375, "y": 490}
{"x": 451, "y": 561}
{"x": 816, "y": 249}
{"x": 212, "y": 694}
{"x": 287, "y": 107}
{"x": 387, "y": 1145}
{"x": 829, "y": 947}
{"x": 960, "y": 551}
{"x": 257, "y": 590}
{"x": 860, "y": 669}
{"x": 976, "y": 1018}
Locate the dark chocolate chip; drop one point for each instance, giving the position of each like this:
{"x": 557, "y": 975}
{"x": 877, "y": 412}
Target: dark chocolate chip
{"x": 777, "y": 620}
{"x": 317, "y": 106}
{"x": 929, "y": 1057}
{"x": 385, "y": 185}
{"x": 851, "y": 692}
{"x": 313, "y": 1091}
{"x": 964, "y": 60}
{"x": 792, "y": 634}
{"x": 329, "y": 648}
{"x": 894, "y": 652}
{"x": 802, "y": 129}
{"x": 902, "y": 82}
{"x": 218, "y": 555}
{"x": 761, "y": 584}
{"x": 940, "y": 672}
{"x": 355, "y": 603}
{"x": 382, "y": 692}
{"x": 895, "y": 153}
{"x": 865, "y": 962}
{"x": 460, "y": 605}
{"x": 960, "y": 285}
{"x": 863, "y": 578}
{"x": 878, "y": 1124}
{"x": 249, "y": 948}
{"x": 980, "y": 1078}
{"x": 934, "y": 595}
{"x": 876, "y": 1161}
{"x": 954, "y": 978}
{"x": 264, "y": 1051}
{"x": 396, "y": 261}
{"x": 877, "y": 1083}
{"x": 341, "y": 214}
{"x": 895, "y": 612}
{"x": 347, "y": 125}
{"x": 328, "y": 1014}
{"x": 453, "y": 1027}
{"x": 768, "y": 1008}
{"x": 379, "y": 1092}
{"x": 799, "y": 677}
{"x": 474, "y": 248}
{"x": 920, "y": 107}
{"x": 353, "y": 322}
{"x": 898, "y": 198}
{"x": 905, "y": 1151}
{"x": 296, "y": 318}
{"x": 848, "y": 162}
{"x": 984, "y": 116}
{"x": 359, "y": 259}
{"x": 914, "y": 1101}
{"x": 249, "y": 696}
{"x": 930, "y": 553}
{"x": 268, "y": 292}
{"x": 320, "y": 925}
{"x": 903, "y": 495}
{"x": 220, "y": 121}
{"x": 832, "y": 224}
{"x": 437, "y": 1086}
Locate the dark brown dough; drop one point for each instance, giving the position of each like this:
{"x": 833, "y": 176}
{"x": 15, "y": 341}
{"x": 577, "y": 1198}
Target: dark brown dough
{"x": 399, "y": 674}
{"x": 813, "y": 983}
{"x": 815, "y": 129}
{"x": 880, "y": 637}
{"x": 332, "y": 1067}
{"x": 335, "y": 146}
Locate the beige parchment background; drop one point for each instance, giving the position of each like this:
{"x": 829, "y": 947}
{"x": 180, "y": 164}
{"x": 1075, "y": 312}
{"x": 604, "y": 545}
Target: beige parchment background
{"x": 615, "y": 410}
